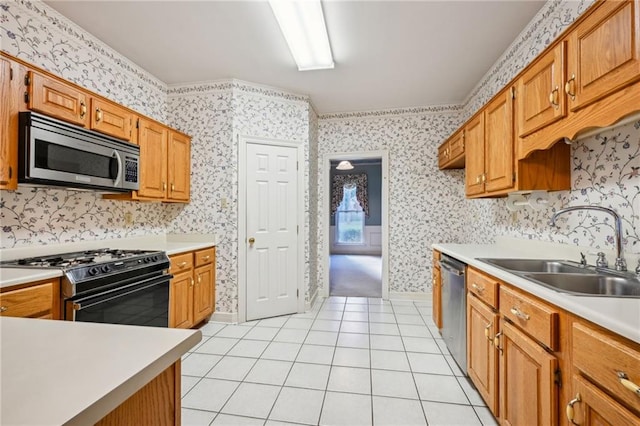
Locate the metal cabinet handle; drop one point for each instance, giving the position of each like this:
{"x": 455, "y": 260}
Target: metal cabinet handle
{"x": 553, "y": 97}
{"x": 164, "y": 186}
{"x": 173, "y": 187}
{"x": 487, "y": 332}
{"x": 569, "y": 87}
{"x": 98, "y": 114}
{"x": 624, "y": 380}
{"x": 496, "y": 341}
{"x": 517, "y": 312}
{"x": 192, "y": 282}
{"x": 182, "y": 264}
{"x": 205, "y": 258}
{"x": 83, "y": 109}
{"x": 569, "y": 409}
{"x": 3, "y": 308}
{"x": 478, "y": 179}
{"x": 199, "y": 279}
{"x": 484, "y": 177}
{"x": 477, "y": 288}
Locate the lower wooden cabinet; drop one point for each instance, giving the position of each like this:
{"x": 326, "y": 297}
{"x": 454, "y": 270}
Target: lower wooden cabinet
{"x": 592, "y": 406}
{"x": 482, "y": 357}
{"x": 192, "y": 289}
{"x": 437, "y": 290}
{"x": 528, "y": 393}
{"x": 37, "y": 300}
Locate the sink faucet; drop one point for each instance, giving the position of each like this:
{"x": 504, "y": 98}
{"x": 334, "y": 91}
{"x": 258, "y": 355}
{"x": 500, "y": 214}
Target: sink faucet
{"x": 621, "y": 264}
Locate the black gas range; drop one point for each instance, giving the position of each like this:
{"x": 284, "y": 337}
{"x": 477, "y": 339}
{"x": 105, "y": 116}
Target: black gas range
{"x": 110, "y": 285}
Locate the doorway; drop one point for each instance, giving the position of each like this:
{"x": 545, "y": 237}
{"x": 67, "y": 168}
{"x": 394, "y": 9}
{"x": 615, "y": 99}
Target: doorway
{"x": 355, "y": 211}
{"x": 270, "y": 228}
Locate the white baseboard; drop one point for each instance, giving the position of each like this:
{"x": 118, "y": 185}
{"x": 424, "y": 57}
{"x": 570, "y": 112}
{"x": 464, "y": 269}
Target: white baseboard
{"x": 313, "y": 299}
{"x": 228, "y": 317}
{"x": 402, "y": 295}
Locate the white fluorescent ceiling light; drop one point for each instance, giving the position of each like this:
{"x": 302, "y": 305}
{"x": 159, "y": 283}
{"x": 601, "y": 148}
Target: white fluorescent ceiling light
{"x": 302, "y": 24}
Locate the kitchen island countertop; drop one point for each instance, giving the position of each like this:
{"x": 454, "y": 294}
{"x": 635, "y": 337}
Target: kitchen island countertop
{"x": 620, "y": 315}
{"x": 61, "y": 372}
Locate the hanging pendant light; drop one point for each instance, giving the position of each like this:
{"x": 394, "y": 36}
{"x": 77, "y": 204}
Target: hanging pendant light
{"x": 344, "y": 165}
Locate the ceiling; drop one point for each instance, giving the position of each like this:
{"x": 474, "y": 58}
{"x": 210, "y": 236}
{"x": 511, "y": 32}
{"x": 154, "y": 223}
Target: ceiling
{"x": 388, "y": 54}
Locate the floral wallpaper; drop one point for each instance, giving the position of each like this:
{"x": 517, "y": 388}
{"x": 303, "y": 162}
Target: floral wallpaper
{"x": 312, "y": 290}
{"x": 38, "y": 34}
{"x": 214, "y": 114}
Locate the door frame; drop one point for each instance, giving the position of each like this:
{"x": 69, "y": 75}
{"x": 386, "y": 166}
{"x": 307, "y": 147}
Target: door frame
{"x": 324, "y": 209}
{"x": 243, "y": 141}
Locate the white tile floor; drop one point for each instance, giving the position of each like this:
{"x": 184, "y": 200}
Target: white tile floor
{"x": 350, "y": 361}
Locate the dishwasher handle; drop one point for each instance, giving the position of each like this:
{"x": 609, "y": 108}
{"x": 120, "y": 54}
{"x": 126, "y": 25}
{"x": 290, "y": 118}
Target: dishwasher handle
{"x": 451, "y": 268}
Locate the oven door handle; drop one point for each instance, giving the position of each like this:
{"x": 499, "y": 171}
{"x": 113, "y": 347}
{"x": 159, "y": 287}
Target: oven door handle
{"x": 133, "y": 288}
{"x": 116, "y": 181}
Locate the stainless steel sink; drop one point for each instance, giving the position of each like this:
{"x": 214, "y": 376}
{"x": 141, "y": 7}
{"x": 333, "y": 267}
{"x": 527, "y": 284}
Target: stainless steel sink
{"x": 597, "y": 285}
{"x": 539, "y": 265}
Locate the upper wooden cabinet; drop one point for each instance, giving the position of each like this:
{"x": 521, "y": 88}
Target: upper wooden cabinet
{"x": 57, "y": 99}
{"x": 451, "y": 152}
{"x": 9, "y": 123}
{"x": 179, "y": 167}
{"x": 541, "y": 98}
{"x": 111, "y": 119}
{"x": 498, "y": 143}
{"x": 152, "y": 139}
{"x": 474, "y": 135}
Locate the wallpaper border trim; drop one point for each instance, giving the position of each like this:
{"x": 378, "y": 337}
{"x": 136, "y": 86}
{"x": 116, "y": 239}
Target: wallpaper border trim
{"x": 434, "y": 109}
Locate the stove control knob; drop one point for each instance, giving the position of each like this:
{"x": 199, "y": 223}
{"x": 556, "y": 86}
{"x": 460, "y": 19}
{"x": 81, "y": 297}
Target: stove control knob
{"x": 106, "y": 268}
{"x": 147, "y": 259}
{"x": 94, "y": 270}
{"x": 155, "y": 258}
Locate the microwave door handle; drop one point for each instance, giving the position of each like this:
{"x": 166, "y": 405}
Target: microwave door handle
{"x": 119, "y": 175}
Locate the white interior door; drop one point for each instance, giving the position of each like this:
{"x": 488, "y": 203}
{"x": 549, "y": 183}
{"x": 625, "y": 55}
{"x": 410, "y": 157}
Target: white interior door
{"x": 271, "y": 218}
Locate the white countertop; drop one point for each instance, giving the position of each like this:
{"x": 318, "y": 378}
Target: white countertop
{"x": 172, "y": 244}
{"x": 73, "y": 373}
{"x": 620, "y": 315}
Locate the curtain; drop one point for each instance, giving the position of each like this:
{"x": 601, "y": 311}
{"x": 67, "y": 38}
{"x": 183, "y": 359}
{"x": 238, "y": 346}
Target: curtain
{"x": 359, "y": 181}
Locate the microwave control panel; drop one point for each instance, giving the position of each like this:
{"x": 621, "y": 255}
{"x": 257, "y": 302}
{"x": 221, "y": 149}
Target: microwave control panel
{"x": 131, "y": 169}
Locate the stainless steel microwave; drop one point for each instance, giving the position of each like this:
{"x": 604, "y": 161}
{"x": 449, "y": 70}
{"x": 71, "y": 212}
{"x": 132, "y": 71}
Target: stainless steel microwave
{"x": 54, "y": 153}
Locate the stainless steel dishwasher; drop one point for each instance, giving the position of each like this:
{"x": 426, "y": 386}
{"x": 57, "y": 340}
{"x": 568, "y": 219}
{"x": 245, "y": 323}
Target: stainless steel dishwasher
{"x": 454, "y": 309}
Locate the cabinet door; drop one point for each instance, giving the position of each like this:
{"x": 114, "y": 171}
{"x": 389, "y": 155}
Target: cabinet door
{"x": 443, "y": 155}
{"x": 540, "y": 96}
{"x": 482, "y": 362}
{"x": 57, "y": 99}
{"x": 179, "y": 166}
{"x": 528, "y": 394}
{"x": 595, "y": 407}
{"x": 8, "y": 140}
{"x": 181, "y": 300}
{"x": 204, "y": 294}
{"x": 153, "y": 160}
{"x": 437, "y": 297}
{"x": 37, "y": 301}
{"x": 604, "y": 52}
{"x": 110, "y": 119}
{"x": 498, "y": 142}
{"x": 474, "y": 135}
{"x": 456, "y": 146}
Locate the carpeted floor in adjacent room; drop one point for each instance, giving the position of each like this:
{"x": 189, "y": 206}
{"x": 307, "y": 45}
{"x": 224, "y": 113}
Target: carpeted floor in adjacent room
{"x": 356, "y": 275}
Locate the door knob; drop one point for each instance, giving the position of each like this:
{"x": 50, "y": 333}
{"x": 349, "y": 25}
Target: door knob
{"x": 252, "y": 240}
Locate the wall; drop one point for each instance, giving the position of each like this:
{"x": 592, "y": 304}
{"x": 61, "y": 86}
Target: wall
{"x": 312, "y": 291}
{"x": 421, "y": 198}
{"x": 215, "y": 114}
{"x": 38, "y": 34}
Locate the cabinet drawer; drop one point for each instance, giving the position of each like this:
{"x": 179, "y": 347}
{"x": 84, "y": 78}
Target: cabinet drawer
{"x": 205, "y": 256}
{"x": 33, "y": 302}
{"x": 181, "y": 263}
{"x": 537, "y": 319}
{"x": 483, "y": 286}
{"x": 602, "y": 358}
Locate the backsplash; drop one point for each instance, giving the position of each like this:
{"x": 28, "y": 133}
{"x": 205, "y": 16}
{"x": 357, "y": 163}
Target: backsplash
{"x": 215, "y": 114}
{"x": 36, "y": 33}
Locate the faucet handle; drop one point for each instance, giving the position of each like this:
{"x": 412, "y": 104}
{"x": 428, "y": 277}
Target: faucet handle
{"x": 583, "y": 260}
{"x": 602, "y": 261}
{"x": 638, "y": 269}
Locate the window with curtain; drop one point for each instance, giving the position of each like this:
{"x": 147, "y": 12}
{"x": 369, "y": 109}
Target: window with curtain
{"x": 350, "y": 205}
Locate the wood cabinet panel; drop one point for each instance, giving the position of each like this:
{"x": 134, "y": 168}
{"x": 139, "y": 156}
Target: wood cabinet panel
{"x": 152, "y": 140}
{"x": 437, "y": 297}
{"x": 528, "y": 394}
{"x": 57, "y": 99}
{"x": 443, "y": 155}
{"x": 602, "y": 357}
{"x": 204, "y": 295}
{"x": 37, "y": 301}
{"x": 8, "y": 124}
{"x": 499, "y": 158}
{"x": 604, "y": 52}
{"x": 179, "y": 167}
{"x": 474, "y": 173}
{"x": 451, "y": 154}
{"x": 482, "y": 360}
{"x": 540, "y": 96}
{"x": 181, "y": 263}
{"x": 483, "y": 286}
{"x": 111, "y": 119}
{"x": 181, "y": 300}
{"x": 203, "y": 257}
{"x": 536, "y": 318}
{"x": 596, "y": 408}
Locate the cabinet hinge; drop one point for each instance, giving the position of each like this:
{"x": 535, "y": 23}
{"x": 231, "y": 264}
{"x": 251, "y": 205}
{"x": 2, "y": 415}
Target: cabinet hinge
{"x": 10, "y": 172}
{"x": 11, "y": 73}
{"x": 513, "y": 92}
{"x": 138, "y": 123}
{"x": 514, "y": 178}
{"x": 26, "y": 97}
{"x": 557, "y": 377}
{"x": 27, "y": 80}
